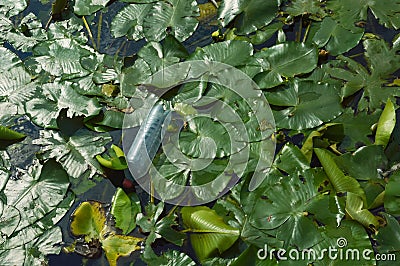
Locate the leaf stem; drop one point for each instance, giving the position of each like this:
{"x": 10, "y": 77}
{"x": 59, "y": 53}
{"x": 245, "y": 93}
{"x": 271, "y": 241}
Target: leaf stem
{"x": 307, "y": 31}
{"x": 298, "y": 35}
{"x": 89, "y": 32}
{"x": 214, "y": 3}
{"x": 99, "y": 28}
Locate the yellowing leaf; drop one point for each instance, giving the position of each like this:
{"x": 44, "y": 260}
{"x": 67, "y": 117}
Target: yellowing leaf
{"x": 88, "y": 220}
{"x": 116, "y": 246}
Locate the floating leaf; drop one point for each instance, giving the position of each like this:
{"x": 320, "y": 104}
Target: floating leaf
{"x": 44, "y": 111}
{"x": 335, "y": 38}
{"x": 234, "y": 53}
{"x": 62, "y": 57}
{"x": 284, "y": 206}
{"x": 208, "y": 232}
{"x": 392, "y": 195}
{"x": 386, "y": 124}
{"x": 88, "y": 220}
{"x": 174, "y": 16}
{"x": 357, "y": 127}
{"x": 30, "y": 198}
{"x": 116, "y": 246}
{"x": 125, "y": 208}
{"x": 313, "y": 8}
{"x": 129, "y": 21}
{"x": 308, "y": 104}
{"x": 290, "y": 159}
{"x": 76, "y": 154}
{"x": 349, "y": 13}
{"x": 382, "y": 62}
{"x": 365, "y": 163}
{"x": 88, "y": 7}
{"x": 285, "y": 60}
{"x": 388, "y": 238}
{"x": 250, "y": 14}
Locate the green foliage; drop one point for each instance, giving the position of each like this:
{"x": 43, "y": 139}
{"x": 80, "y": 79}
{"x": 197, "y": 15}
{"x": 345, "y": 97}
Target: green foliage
{"x": 208, "y": 232}
{"x": 331, "y": 80}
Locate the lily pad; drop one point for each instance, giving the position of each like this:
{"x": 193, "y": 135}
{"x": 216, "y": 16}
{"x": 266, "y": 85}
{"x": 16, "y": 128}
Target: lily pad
{"x": 76, "y": 154}
{"x": 285, "y": 60}
{"x": 174, "y": 16}
{"x": 249, "y": 15}
{"x": 308, "y": 104}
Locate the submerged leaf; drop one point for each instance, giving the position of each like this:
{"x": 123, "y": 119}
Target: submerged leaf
{"x": 129, "y": 21}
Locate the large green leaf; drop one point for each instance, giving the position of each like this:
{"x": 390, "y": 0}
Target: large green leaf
{"x": 34, "y": 252}
{"x": 341, "y": 182}
{"x": 44, "y": 111}
{"x": 382, "y": 62}
{"x": 62, "y": 57}
{"x": 88, "y": 7}
{"x": 312, "y": 8}
{"x": 29, "y": 33}
{"x": 365, "y": 163}
{"x": 30, "y": 198}
{"x": 308, "y": 104}
{"x": 285, "y": 60}
{"x": 125, "y": 208}
{"x": 392, "y": 194}
{"x": 388, "y": 239}
{"x": 129, "y": 22}
{"x": 335, "y": 38}
{"x": 206, "y": 139}
{"x": 284, "y": 207}
{"x": 11, "y": 8}
{"x": 356, "y": 127}
{"x": 386, "y": 124}
{"x": 77, "y": 154}
{"x": 175, "y": 16}
{"x": 15, "y": 81}
{"x": 349, "y": 13}
{"x": 209, "y": 234}
{"x": 234, "y": 53}
{"x": 250, "y": 14}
